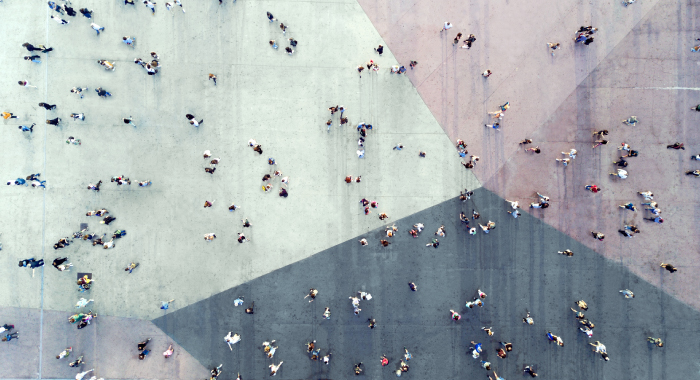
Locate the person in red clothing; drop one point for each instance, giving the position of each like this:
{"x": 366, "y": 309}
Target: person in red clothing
{"x": 593, "y": 188}
{"x": 385, "y": 360}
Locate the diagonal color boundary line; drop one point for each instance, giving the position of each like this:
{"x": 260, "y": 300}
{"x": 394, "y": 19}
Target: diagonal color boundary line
{"x": 555, "y": 110}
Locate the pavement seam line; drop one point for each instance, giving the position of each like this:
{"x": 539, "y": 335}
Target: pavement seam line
{"x": 43, "y": 221}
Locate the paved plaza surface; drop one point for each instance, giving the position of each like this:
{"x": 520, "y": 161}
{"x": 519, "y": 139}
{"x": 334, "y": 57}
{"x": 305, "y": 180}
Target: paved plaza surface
{"x": 640, "y": 64}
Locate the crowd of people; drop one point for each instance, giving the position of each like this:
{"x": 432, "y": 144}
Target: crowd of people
{"x": 585, "y": 35}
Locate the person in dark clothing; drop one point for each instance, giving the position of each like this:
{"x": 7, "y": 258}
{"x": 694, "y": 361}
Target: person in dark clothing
{"x": 102, "y": 92}
{"x": 58, "y": 261}
{"x": 669, "y": 267}
{"x": 31, "y": 263}
{"x": 86, "y": 12}
{"x": 47, "y": 106}
{"x": 41, "y": 48}
{"x": 142, "y": 346}
{"x": 108, "y": 220}
{"x": 379, "y": 49}
{"x": 69, "y": 10}
{"x": 53, "y": 121}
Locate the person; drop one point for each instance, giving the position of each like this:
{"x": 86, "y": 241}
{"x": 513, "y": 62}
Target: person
{"x": 554, "y": 338}
{"x": 669, "y": 267}
{"x": 528, "y": 319}
{"x": 29, "y": 129}
{"x": 627, "y": 293}
{"x": 446, "y": 26}
{"x": 564, "y": 161}
{"x": 97, "y": 28}
{"x": 379, "y": 50}
{"x": 86, "y": 12}
{"x": 455, "y": 316}
{"x": 553, "y": 46}
{"x": 457, "y": 38}
{"x": 32, "y": 48}
{"x": 593, "y": 188}
{"x": 621, "y": 173}
{"x": 215, "y": 372}
{"x": 528, "y": 369}
{"x": 58, "y": 261}
{"x": 169, "y": 352}
{"x": 24, "y": 83}
{"x": 77, "y": 363}
{"x": 358, "y": 369}
{"x": 102, "y": 93}
{"x": 468, "y": 42}
{"x": 566, "y": 252}
{"x": 372, "y": 323}
{"x": 165, "y": 305}
{"x": 655, "y": 341}
{"x": 312, "y": 294}
{"x": 33, "y": 58}
{"x": 632, "y": 120}
{"x": 64, "y": 353}
{"x": 535, "y": 149}
{"x": 598, "y": 347}
{"x": 60, "y": 20}
{"x": 231, "y": 340}
{"x": 487, "y": 74}
{"x": 129, "y": 40}
{"x": 676, "y": 146}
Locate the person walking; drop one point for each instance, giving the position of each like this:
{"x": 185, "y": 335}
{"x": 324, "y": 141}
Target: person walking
{"x": 669, "y": 267}
{"x": 468, "y": 42}
{"x": 40, "y": 48}
{"x": 553, "y": 47}
{"x": 29, "y": 129}
{"x": 33, "y": 58}
{"x": 150, "y": 5}
{"x": 627, "y": 293}
{"x": 24, "y": 83}
{"x": 97, "y": 28}
{"x": 593, "y": 188}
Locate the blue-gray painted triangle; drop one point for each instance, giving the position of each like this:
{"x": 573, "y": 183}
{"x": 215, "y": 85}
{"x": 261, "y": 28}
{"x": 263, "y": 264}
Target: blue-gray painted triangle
{"x": 517, "y": 265}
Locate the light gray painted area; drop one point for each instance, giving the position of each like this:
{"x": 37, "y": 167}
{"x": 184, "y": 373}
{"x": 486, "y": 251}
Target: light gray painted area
{"x": 262, "y": 93}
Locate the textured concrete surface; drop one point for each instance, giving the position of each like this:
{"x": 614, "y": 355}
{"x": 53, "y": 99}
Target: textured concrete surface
{"x": 262, "y": 93}
{"x": 516, "y": 265}
{"x": 640, "y": 64}
{"x": 108, "y": 345}
{"x": 650, "y": 74}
